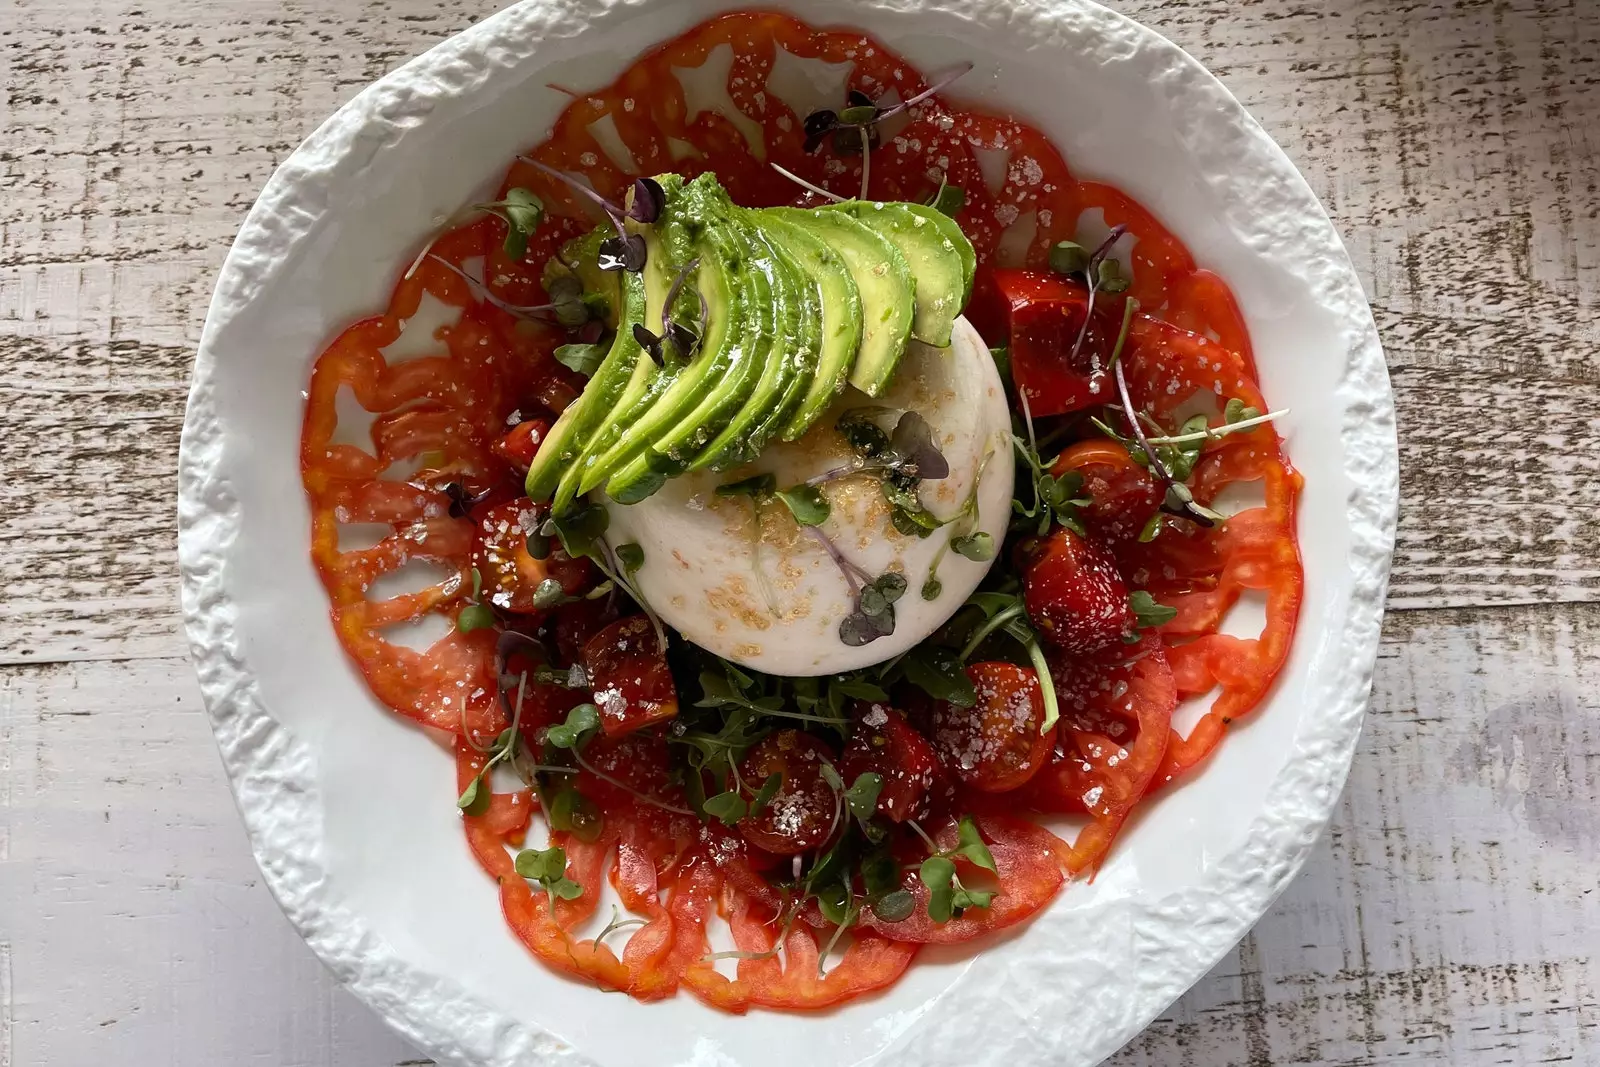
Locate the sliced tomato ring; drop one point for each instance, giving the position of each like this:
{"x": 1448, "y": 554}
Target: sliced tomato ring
{"x": 1030, "y": 876}
{"x": 794, "y": 982}
{"x": 1116, "y": 716}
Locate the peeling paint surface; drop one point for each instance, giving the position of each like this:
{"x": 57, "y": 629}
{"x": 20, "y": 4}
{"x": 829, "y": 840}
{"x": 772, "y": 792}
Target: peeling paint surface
{"x": 1446, "y": 919}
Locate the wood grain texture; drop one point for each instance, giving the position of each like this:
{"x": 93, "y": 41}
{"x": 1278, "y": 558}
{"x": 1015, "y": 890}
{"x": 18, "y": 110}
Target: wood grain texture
{"x": 1442, "y": 920}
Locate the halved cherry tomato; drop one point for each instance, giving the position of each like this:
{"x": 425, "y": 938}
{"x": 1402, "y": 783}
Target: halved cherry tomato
{"x": 1122, "y": 494}
{"x": 1074, "y": 593}
{"x": 995, "y": 745}
{"x": 520, "y": 445}
{"x": 1030, "y": 876}
{"x": 510, "y": 576}
{"x": 633, "y": 764}
{"x": 882, "y": 742}
{"x": 803, "y": 812}
{"x": 1038, "y": 315}
{"x": 628, "y": 672}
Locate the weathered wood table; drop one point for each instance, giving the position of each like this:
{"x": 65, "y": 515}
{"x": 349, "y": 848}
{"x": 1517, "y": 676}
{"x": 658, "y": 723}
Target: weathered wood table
{"x": 1449, "y": 917}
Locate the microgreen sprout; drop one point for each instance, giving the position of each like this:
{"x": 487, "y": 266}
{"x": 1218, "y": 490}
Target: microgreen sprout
{"x": 1147, "y": 612}
{"x": 617, "y": 923}
{"x": 566, "y": 304}
{"x": 1100, "y": 272}
{"x": 548, "y": 867}
{"x": 854, "y": 127}
{"x": 626, "y": 251}
{"x": 521, "y": 211}
{"x": 947, "y": 897}
{"x": 476, "y": 615}
{"x": 474, "y": 799}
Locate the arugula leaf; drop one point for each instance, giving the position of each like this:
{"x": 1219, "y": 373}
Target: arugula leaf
{"x": 1147, "y": 612}
{"x": 730, "y": 807}
{"x": 938, "y": 672}
{"x": 764, "y": 795}
{"x": 806, "y": 503}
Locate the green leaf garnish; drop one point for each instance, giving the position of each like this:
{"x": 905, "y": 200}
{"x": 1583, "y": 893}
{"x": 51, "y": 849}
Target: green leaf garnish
{"x": 631, "y": 556}
{"x": 730, "y": 807}
{"x": 758, "y": 487}
{"x": 978, "y": 547}
{"x": 581, "y": 723}
{"x": 583, "y": 359}
{"x": 548, "y": 867}
{"x": 862, "y": 797}
{"x": 970, "y": 845}
{"x": 949, "y": 200}
{"x": 475, "y": 617}
{"x": 1147, "y": 612}
{"x": 894, "y": 907}
{"x": 806, "y": 503}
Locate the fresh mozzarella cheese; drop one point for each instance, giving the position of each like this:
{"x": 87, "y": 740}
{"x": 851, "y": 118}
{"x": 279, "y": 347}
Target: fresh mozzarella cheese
{"x": 753, "y": 587}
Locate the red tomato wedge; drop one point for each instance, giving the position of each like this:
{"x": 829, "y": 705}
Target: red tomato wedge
{"x": 628, "y": 672}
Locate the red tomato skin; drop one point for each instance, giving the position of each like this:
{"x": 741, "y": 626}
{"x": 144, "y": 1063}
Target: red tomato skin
{"x": 1075, "y": 594}
{"x": 1038, "y": 315}
{"x": 882, "y": 742}
{"x": 509, "y": 575}
{"x": 628, "y": 672}
{"x": 801, "y": 814}
{"x": 519, "y": 446}
{"x": 1122, "y": 495}
{"x": 996, "y": 745}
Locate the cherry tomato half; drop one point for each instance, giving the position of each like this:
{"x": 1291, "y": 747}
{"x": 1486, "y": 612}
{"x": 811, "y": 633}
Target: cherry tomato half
{"x": 801, "y": 815}
{"x": 996, "y": 745}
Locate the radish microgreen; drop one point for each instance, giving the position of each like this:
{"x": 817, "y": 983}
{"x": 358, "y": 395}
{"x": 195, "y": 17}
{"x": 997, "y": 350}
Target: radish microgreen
{"x": 548, "y": 867}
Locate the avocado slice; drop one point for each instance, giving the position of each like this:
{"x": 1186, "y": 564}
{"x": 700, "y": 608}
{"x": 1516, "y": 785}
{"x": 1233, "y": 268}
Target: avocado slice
{"x": 884, "y": 283}
{"x": 791, "y": 360}
{"x": 729, "y": 286}
{"x": 841, "y": 320}
{"x": 572, "y": 430}
{"x": 701, "y": 410}
{"x": 668, "y": 246}
{"x": 934, "y": 255}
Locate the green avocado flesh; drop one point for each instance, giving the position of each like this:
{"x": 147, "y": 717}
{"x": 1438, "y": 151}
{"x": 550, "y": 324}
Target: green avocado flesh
{"x": 797, "y": 302}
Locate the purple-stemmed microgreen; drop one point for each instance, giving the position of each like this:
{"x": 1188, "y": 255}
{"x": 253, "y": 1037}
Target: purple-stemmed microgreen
{"x": 521, "y": 211}
{"x": 567, "y": 306}
{"x": 855, "y": 127}
{"x": 900, "y": 461}
{"x": 1178, "y": 499}
{"x": 626, "y": 251}
{"x": 685, "y": 339}
{"x": 874, "y": 598}
{"x": 1100, "y": 272}
{"x": 808, "y": 186}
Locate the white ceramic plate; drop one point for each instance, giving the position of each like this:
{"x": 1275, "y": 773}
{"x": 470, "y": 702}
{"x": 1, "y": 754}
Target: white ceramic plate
{"x": 348, "y": 808}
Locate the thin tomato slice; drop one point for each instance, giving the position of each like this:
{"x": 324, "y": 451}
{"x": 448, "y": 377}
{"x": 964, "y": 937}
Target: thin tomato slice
{"x": 1030, "y": 877}
{"x": 1116, "y": 714}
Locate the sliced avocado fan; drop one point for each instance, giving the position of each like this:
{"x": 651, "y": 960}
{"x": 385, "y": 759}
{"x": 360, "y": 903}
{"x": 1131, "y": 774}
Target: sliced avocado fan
{"x": 799, "y": 302}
